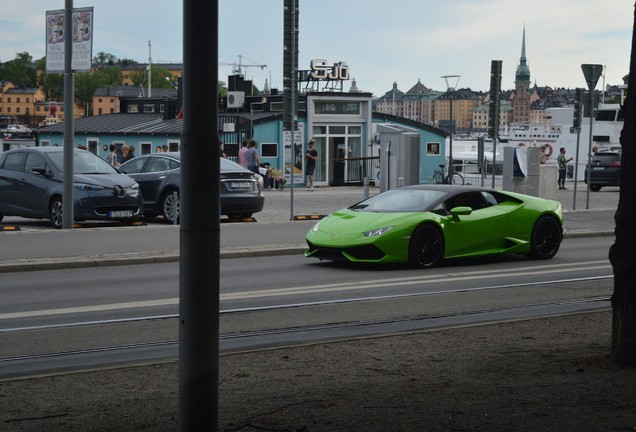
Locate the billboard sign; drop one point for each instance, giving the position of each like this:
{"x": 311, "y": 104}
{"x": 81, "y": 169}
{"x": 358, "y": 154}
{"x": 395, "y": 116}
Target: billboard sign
{"x": 82, "y": 37}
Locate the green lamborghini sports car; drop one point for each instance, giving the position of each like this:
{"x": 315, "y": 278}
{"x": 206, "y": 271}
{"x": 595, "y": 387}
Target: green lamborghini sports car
{"x": 425, "y": 224}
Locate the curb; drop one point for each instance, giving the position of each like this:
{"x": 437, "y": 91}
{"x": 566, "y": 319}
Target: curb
{"x": 156, "y": 257}
{"x": 134, "y": 258}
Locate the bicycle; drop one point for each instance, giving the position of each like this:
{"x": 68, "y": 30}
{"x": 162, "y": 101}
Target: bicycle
{"x": 439, "y": 177}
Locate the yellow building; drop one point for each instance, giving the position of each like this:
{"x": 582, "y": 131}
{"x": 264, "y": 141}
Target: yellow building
{"x": 465, "y": 101}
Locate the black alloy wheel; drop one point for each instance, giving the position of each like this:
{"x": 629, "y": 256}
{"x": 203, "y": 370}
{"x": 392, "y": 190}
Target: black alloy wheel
{"x": 546, "y": 238}
{"x": 426, "y": 247}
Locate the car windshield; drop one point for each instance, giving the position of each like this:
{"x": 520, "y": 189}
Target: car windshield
{"x": 83, "y": 162}
{"x": 400, "y": 200}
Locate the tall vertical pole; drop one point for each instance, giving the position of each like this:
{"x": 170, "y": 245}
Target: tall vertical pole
{"x": 290, "y": 82}
{"x": 450, "y": 147}
{"x": 68, "y": 215}
{"x": 199, "y": 267}
{"x": 589, "y": 150}
{"x": 592, "y": 73}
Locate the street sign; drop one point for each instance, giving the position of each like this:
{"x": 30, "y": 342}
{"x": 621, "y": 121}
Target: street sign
{"x": 592, "y": 73}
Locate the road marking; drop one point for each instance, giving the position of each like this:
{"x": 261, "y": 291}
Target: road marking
{"x": 332, "y": 287}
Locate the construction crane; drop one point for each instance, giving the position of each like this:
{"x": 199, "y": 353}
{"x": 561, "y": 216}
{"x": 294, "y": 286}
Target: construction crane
{"x": 237, "y": 68}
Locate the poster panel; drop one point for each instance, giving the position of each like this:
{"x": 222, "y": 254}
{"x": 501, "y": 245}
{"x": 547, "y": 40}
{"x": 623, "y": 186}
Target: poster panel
{"x": 82, "y": 37}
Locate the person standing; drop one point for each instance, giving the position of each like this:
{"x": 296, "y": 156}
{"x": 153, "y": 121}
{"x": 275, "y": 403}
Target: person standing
{"x": 312, "y": 157}
{"x": 562, "y": 162}
{"x": 112, "y": 157}
{"x": 129, "y": 153}
{"x": 242, "y": 154}
{"x": 252, "y": 156}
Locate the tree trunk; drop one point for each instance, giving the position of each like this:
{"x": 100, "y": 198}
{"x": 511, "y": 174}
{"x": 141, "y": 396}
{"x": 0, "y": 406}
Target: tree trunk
{"x": 623, "y": 252}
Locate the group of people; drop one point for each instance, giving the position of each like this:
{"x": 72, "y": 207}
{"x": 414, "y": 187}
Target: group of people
{"x": 248, "y": 158}
{"x": 115, "y": 159}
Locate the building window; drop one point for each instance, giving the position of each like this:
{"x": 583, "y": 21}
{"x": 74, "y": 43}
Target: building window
{"x": 99, "y": 100}
{"x": 432, "y": 149}
{"x": 148, "y": 108}
{"x": 17, "y": 100}
{"x": 269, "y": 149}
{"x": 323, "y": 107}
{"x": 133, "y": 108}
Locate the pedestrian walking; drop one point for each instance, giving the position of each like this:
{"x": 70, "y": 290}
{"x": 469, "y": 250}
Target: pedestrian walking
{"x": 312, "y": 156}
{"x": 242, "y": 154}
{"x": 252, "y": 156}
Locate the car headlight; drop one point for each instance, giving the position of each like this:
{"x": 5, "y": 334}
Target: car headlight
{"x": 88, "y": 187}
{"x": 377, "y": 231}
{"x": 316, "y": 227}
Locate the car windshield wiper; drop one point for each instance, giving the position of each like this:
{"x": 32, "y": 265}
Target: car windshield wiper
{"x": 358, "y": 206}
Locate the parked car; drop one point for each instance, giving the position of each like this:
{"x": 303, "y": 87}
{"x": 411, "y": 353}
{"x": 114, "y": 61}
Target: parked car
{"x": 159, "y": 177}
{"x": 31, "y": 186}
{"x": 606, "y": 170}
{"x": 425, "y": 224}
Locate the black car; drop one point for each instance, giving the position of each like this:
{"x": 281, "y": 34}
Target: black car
{"x": 606, "y": 170}
{"x": 31, "y": 186}
{"x": 159, "y": 177}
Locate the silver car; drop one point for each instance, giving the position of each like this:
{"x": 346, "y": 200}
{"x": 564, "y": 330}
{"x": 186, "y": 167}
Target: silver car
{"x": 31, "y": 186}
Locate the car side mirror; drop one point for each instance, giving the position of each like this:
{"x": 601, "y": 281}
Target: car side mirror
{"x": 460, "y": 211}
{"x": 41, "y": 171}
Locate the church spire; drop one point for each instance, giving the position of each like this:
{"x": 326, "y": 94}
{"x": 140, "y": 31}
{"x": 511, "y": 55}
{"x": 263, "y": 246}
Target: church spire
{"x": 523, "y": 71}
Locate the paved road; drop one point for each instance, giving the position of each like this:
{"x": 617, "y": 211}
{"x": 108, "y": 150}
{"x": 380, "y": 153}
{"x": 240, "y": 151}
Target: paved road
{"x": 273, "y": 233}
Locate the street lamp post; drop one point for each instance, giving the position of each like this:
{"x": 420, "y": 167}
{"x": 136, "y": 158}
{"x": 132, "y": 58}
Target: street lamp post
{"x": 451, "y": 88}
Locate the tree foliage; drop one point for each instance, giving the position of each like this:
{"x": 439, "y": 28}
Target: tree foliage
{"x": 623, "y": 252}
{"x": 160, "y": 78}
{"x": 19, "y": 71}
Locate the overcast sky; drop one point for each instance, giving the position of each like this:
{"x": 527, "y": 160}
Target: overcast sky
{"x": 382, "y": 42}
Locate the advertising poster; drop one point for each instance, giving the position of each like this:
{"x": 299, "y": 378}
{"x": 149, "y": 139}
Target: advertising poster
{"x": 82, "y": 37}
{"x": 298, "y": 166}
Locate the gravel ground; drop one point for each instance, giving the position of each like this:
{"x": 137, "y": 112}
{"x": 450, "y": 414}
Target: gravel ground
{"x": 549, "y": 374}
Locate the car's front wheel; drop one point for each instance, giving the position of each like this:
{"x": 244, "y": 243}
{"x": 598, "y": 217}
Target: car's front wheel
{"x": 56, "y": 212}
{"x": 595, "y": 187}
{"x": 171, "y": 207}
{"x": 426, "y": 247}
{"x": 546, "y": 238}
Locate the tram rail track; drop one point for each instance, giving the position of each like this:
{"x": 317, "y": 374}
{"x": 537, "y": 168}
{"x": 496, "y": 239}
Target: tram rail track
{"x": 294, "y": 335}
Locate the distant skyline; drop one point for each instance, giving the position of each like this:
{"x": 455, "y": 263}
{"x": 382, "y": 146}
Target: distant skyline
{"x": 402, "y": 41}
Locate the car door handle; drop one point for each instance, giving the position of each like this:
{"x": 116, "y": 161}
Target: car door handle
{"x": 162, "y": 177}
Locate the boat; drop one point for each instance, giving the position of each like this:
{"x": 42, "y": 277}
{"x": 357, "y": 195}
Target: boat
{"x": 13, "y": 130}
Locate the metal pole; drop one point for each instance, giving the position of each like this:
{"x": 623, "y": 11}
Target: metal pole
{"x": 576, "y": 166}
{"x": 494, "y": 158}
{"x": 68, "y": 214}
{"x": 450, "y": 147}
{"x": 589, "y": 150}
{"x": 199, "y": 267}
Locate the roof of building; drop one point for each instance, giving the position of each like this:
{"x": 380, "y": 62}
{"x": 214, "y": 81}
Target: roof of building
{"x": 146, "y": 124}
{"x": 418, "y": 89}
{"x": 130, "y": 91}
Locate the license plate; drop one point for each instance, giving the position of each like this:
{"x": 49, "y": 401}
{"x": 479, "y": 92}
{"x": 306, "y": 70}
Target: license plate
{"x": 598, "y": 168}
{"x": 120, "y": 214}
{"x": 240, "y": 185}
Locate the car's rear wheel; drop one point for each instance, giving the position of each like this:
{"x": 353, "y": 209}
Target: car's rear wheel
{"x": 546, "y": 238}
{"x": 595, "y": 187}
{"x": 56, "y": 212}
{"x": 426, "y": 247}
{"x": 171, "y": 207}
